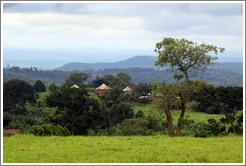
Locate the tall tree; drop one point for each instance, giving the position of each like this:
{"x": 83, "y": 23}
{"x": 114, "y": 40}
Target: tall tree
{"x": 230, "y": 101}
{"x": 113, "y": 96}
{"x": 164, "y": 98}
{"x": 185, "y": 58}
{"x": 105, "y": 79}
{"x": 122, "y": 80}
{"x": 76, "y": 78}
{"x": 39, "y": 86}
{"x": 76, "y": 110}
{"x": 15, "y": 95}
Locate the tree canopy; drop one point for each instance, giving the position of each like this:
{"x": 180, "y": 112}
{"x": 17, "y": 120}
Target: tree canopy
{"x": 76, "y": 78}
{"x": 39, "y": 86}
{"x": 17, "y": 92}
{"x": 76, "y": 110}
{"x": 182, "y": 55}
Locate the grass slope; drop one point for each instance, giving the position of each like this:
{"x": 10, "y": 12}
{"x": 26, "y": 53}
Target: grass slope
{"x": 134, "y": 149}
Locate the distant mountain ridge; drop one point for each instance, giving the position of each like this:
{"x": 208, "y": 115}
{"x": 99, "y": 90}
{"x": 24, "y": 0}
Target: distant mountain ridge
{"x": 143, "y": 62}
{"x": 137, "y": 61}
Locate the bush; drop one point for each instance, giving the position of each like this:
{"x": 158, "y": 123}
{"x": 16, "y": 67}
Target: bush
{"x": 49, "y": 130}
{"x": 238, "y": 123}
{"x": 139, "y": 114}
{"x": 39, "y": 86}
{"x": 149, "y": 125}
{"x": 144, "y": 100}
{"x": 131, "y": 127}
{"x": 206, "y": 130}
{"x": 120, "y": 112}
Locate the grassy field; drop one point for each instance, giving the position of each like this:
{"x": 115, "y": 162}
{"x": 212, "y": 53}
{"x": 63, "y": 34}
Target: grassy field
{"x": 134, "y": 149}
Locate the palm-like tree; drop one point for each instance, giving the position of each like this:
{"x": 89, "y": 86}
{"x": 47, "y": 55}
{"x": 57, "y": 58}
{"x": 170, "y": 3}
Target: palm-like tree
{"x": 113, "y": 96}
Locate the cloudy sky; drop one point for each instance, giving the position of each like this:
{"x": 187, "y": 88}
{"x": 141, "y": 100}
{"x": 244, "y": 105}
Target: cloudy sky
{"x": 107, "y": 32}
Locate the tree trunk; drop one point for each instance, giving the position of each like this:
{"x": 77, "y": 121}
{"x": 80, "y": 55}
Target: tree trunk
{"x": 181, "y": 117}
{"x": 187, "y": 78}
{"x": 169, "y": 123}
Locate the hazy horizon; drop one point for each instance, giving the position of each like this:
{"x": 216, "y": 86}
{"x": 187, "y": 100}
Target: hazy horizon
{"x": 48, "y": 35}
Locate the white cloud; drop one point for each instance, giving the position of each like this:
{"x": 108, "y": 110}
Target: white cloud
{"x": 120, "y": 26}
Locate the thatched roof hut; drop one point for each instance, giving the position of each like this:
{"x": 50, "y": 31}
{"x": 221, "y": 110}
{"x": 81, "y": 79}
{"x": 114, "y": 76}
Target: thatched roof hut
{"x": 127, "y": 89}
{"x": 101, "y": 89}
{"x": 74, "y": 86}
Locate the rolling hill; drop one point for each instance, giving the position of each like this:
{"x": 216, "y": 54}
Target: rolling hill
{"x": 143, "y": 62}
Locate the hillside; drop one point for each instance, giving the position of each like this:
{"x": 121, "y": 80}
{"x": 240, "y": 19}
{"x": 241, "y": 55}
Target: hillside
{"x": 143, "y": 62}
{"x": 137, "y": 61}
{"x": 217, "y": 77}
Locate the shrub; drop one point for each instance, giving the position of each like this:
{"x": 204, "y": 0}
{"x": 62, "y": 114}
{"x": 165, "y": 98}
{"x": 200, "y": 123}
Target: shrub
{"x": 49, "y": 130}
{"x": 187, "y": 127}
{"x": 238, "y": 123}
{"x": 149, "y": 125}
{"x": 139, "y": 114}
{"x": 131, "y": 127}
{"x": 120, "y": 112}
{"x": 39, "y": 86}
{"x": 206, "y": 130}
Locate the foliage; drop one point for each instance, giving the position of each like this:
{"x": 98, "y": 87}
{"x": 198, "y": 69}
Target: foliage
{"x": 206, "y": 130}
{"x": 76, "y": 110}
{"x": 32, "y": 74}
{"x": 183, "y": 55}
{"x": 122, "y": 80}
{"x": 77, "y": 79}
{"x": 120, "y": 112}
{"x": 17, "y": 92}
{"x": 105, "y": 79}
{"x": 205, "y": 100}
{"x": 131, "y": 127}
{"x": 220, "y": 75}
{"x": 113, "y": 96}
{"x": 53, "y": 87}
{"x": 139, "y": 114}
{"x": 238, "y": 123}
{"x": 39, "y": 86}
{"x": 165, "y": 97}
{"x": 48, "y": 130}
{"x": 143, "y": 89}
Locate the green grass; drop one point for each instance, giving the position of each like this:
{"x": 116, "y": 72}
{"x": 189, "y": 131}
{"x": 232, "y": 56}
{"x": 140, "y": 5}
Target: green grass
{"x": 134, "y": 149}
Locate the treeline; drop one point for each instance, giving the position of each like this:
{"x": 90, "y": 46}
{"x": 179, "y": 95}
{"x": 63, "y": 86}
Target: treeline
{"x": 216, "y": 77}
{"x": 32, "y": 74}
{"x": 67, "y": 110}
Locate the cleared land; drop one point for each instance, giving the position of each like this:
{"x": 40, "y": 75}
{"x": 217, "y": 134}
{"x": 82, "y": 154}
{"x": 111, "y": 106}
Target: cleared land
{"x": 134, "y": 149}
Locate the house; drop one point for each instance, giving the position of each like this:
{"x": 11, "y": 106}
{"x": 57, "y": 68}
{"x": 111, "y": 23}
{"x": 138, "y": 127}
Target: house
{"x": 74, "y": 86}
{"x": 127, "y": 90}
{"x": 101, "y": 89}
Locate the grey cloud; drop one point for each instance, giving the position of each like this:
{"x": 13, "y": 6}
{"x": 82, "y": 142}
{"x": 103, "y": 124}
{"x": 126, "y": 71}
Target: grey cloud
{"x": 125, "y": 9}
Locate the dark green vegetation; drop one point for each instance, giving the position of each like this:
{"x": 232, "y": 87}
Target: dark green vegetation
{"x": 223, "y": 74}
{"x": 134, "y": 149}
{"x": 116, "y": 113}
{"x": 48, "y": 130}
{"x": 39, "y": 86}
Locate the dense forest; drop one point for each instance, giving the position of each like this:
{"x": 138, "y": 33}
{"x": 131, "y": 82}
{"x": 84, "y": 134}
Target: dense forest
{"x": 218, "y": 77}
